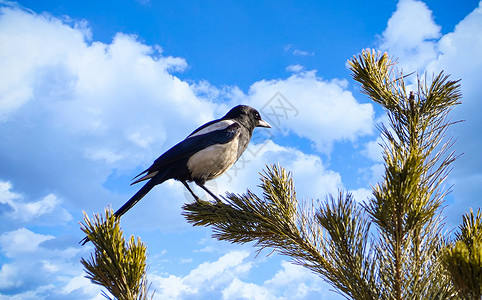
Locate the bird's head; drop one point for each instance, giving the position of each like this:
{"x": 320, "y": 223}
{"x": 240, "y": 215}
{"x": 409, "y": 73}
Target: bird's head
{"x": 247, "y": 116}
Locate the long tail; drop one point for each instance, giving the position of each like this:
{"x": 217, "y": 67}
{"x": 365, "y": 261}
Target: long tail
{"x": 158, "y": 179}
{"x": 136, "y": 198}
{"x": 129, "y": 204}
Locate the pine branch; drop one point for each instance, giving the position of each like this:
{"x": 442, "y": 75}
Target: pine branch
{"x": 331, "y": 239}
{"x": 118, "y": 266}
{"x": 406, "y": 204}
{"x": 463, "y": 259}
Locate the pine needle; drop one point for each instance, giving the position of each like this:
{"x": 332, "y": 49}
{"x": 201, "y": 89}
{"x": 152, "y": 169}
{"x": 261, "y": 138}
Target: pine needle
{"x": 118, "y": 266}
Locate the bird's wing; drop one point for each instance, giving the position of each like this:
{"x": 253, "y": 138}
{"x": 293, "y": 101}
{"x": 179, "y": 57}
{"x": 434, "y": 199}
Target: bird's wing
{"x": 208, "y": 124}
{"x": 195, "y": 142}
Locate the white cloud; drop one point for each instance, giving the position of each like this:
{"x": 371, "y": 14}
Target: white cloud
{"x": 238, "y": 289}
{"x": 223, "y": 278}
{"x": 413, "y": 36}
{"x": 290, "y": 282}
{"x": 296, "y": 280}
{"x": 47, "y": 210}
{"x": 377, "y": 171}
{"x": 36, "y": 266}
{"x": 83, "y": 284}
{"x": 36, "y": 261}
{"x": 373, "y": 150}
{"x": 295, "y": 68}
{"x": 298, "y": 52}
{"x": 6, "y": 195}
{"x": 459, "y": 55}
{"x": 208, "y": 277}
{"x": 228, "y": 265}
{"x": 410, "y": 35}
{"x": 310, "y": 107}
{"x": 81, "y": 109}
{"x": 8, "y": 276}
{"x": 362, "y": 194}
{"x": 21, "y": 241}
{"x": 19, "y": 36}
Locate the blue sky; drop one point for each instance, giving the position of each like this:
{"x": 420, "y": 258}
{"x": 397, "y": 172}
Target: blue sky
{"x": 92, "y": 92}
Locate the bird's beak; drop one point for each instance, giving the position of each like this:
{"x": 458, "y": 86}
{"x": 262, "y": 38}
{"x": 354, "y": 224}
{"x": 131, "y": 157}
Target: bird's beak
{"x": 262, "y": 123}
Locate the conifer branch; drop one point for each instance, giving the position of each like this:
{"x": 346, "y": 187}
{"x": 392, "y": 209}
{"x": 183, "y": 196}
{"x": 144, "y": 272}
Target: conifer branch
{"x": 463, "y": 259}
{"x": 330, "y": 240}
{"x": 406, "y": 204}
{"x": 118, "y": 266}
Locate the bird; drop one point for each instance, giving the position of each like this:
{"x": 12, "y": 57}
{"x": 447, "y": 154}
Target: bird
{"x": 205, "y": 154}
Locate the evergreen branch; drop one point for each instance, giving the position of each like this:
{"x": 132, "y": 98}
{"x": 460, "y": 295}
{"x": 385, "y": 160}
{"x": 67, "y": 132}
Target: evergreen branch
{"x": 463, "y": 259}
{"x": 118, "y": 266}
{"x": 347, "y": 230}
{"x": 407, "y": 202}
{"x": 278, "y": 221}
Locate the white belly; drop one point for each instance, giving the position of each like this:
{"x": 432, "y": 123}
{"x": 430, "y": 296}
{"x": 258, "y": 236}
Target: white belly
{"x": 213, "y": 161}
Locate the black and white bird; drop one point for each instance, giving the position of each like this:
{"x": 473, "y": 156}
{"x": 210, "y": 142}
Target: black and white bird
{"x": 205, "y": 154}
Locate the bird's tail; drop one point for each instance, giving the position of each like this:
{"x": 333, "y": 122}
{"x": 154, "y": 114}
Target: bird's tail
{"x": 158, "y": 179}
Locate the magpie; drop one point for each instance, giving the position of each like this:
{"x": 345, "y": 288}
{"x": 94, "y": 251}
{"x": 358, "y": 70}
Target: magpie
{"x": 205, "y": 154}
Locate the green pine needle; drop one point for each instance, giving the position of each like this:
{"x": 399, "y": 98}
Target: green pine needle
{"x": 464, "y": 258}
{"x": 118, "y": 266}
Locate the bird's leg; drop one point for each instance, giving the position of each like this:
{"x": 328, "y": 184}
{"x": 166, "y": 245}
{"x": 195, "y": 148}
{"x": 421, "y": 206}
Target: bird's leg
{"x": 209, "y": 192}
{"x": 189, "y": 189}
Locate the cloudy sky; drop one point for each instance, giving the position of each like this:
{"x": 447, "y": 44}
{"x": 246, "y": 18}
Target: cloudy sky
{"x": 91, "y": 92}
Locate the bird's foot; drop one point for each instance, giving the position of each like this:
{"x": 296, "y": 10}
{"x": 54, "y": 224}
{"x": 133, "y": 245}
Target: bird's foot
{"x": 210, "y": 193}
{"x": 191, "y": 191}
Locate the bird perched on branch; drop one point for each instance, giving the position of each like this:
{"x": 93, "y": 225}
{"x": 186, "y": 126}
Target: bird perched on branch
{"x": 205, "y": 154}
